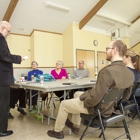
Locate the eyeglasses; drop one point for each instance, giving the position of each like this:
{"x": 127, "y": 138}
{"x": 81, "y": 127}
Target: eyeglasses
{"x": 34, "y": 64}
{"x": 6, "y": 29}
{"x": 108, "y": 48}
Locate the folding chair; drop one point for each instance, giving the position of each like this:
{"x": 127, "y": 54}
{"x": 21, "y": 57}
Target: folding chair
{"x": 112, "y": 95}
{"x": 131, "y": 103}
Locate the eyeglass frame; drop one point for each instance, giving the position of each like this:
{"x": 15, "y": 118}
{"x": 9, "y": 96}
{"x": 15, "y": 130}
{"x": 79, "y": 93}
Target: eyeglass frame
{"x": 6, "y": 29}
{"x": 107, "y": 48}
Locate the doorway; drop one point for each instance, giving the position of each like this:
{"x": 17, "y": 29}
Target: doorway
{"x": 101, "y": 60}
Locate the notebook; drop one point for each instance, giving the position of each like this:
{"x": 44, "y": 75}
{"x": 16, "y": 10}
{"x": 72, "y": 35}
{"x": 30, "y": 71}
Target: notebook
{"x": 69, "y": 83}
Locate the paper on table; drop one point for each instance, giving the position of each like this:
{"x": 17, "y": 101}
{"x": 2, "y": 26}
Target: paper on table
{"x": 25, "y": 57}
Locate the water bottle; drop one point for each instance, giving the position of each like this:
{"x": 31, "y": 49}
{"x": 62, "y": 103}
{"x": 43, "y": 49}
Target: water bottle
{"x": 69, "y": 77}
{"x": 34, "y": 77}
{"x": 41, "y": 79}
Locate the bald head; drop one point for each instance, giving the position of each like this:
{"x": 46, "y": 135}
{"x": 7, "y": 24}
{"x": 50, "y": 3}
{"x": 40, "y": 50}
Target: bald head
{"x": 81, "y": 64}
{"x": 5, "y": 28}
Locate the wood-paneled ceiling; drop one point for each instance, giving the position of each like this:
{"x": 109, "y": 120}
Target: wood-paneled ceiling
{"x": 102, "y": 16}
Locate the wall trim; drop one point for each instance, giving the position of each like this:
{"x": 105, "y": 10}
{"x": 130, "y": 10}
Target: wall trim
{"x": 36, "y": 30}
{"x": 42, "y": 67}
{"x": 135, "y": 45}
{"x": 19, "y": 34}
{"x": 45, "y": 32}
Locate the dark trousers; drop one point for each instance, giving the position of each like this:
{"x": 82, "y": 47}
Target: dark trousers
{"x": 4, "y": 105}
{"x": 34, "y": 98}
{"x": 59, "y": 94}
{"x": 15, "y": 95}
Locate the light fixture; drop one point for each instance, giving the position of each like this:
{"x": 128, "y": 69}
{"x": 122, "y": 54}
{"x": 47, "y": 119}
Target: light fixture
{"x": 57, "y": 7}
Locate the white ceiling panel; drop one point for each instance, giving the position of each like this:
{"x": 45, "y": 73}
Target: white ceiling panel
{"x": 3, "y": 7}
{"x": 34, "y": 14}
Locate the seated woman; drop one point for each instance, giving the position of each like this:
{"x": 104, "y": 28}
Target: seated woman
{"x": 59, "y": 73}
{"x": 132, "y": 62}
{"x": 33, "y": 74}
{"x": 15, "y": 95}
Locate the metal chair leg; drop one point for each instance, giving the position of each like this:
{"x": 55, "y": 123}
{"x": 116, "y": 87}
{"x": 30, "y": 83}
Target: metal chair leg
{"x": 126, "y": 129}
{"x": 85, "y": 130}
{"x": 102, "y": 133}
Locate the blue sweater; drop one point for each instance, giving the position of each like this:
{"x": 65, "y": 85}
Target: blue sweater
{"x": 35, "y": 73}
{"x": 136, "y": 74}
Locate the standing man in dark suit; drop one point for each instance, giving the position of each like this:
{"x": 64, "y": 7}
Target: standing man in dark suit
{"x": 6, "y": 76}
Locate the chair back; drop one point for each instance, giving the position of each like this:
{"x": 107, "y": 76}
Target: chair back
{"x": 112, "y": 95}
{"x": 134, "y": 88}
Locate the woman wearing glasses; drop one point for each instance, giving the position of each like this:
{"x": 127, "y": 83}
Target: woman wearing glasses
{"x": 59, "y": 73}
{"x": 32, "y": 77}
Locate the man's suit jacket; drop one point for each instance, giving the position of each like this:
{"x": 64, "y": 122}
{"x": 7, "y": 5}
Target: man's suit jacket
{"x": 115, "y": 75}
{"x": 6, "y": 63}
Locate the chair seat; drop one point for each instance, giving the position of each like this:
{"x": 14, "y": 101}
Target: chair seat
{"x": 129, "y": 106}
{"x": 106, "y": 120}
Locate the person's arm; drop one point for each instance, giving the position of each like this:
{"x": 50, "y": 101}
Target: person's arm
{"x": 65, "y": 74}
{"x": 88, "y": 73}
{"x": 53, "y": 73}
{"x": 29, "y": 76}
{"x": 41, "y": 72}
{"x": 74, "y": 74}
{"x": 127, "y": 94}
{"x": 5, "y": 54}
{"x": 93, "y": 97}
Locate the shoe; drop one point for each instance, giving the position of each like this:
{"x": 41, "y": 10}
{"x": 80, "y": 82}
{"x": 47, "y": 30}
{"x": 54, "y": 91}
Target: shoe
{"x": 10, "y": 116}
{"x": 54, "y": 134}
{"x": 132, "y": 114}
{"x": 21, "y": 111}
{"x": 92, "y": 124}
{"x": 70, "y": 125}
{"x": 6, "y": 133}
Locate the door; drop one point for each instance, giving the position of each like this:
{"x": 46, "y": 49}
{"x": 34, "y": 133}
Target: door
{"x": 89, "y": 58}
{"x": 101, "y": 60}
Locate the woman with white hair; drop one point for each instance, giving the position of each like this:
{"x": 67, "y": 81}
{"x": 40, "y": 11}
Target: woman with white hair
{"x": 59, "y": 73}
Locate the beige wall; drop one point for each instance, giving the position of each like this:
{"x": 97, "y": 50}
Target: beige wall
{"x": 20, "y": 45}
{"x": 68, "y": 55}
{"x": 47, "y": 48}
{"x": 84, "y": 40}
{"x": 127, "y": 41}
{"x": 32, "y": 47}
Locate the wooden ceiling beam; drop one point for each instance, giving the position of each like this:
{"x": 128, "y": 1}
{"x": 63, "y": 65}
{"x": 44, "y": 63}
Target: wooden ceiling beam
{"x": 93, "y": 11}
{"x": 135, "y": 19}
{"x": 10, "y": 10}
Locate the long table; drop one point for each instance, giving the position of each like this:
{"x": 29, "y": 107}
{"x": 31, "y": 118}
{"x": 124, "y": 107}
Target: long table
{"x": 57, "y": 85}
